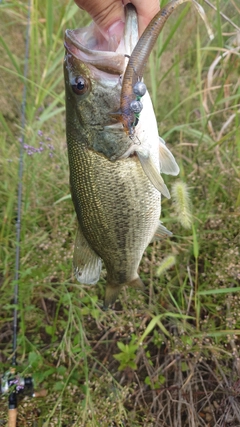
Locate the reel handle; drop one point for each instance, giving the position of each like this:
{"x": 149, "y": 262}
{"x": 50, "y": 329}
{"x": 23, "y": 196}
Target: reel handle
{"x": 12, "y": 417}
{"x": 40, "y": 393}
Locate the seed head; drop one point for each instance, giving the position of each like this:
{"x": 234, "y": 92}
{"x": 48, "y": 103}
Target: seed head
{"x": 182, "y": 204}
{"x": 167, "y": 263}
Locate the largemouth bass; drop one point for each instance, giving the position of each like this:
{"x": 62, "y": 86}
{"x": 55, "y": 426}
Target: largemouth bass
{"x": 117, "y": 200}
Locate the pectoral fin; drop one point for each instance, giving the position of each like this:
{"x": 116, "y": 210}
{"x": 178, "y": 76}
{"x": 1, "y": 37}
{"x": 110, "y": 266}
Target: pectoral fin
{"x": 153, "y": 174}
{"x": 86, "y": 263}
{"x": 167, "y": 161}
{"x": 161, "y": 233}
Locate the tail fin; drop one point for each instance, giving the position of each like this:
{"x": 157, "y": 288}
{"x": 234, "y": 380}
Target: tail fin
{"x": 112, "y": 291}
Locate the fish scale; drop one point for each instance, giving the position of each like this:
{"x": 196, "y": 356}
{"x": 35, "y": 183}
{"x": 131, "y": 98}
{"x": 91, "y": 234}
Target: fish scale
{"x": 117, "y": 216}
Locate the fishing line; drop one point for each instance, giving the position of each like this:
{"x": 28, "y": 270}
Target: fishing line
{"x": 20, "y": 187}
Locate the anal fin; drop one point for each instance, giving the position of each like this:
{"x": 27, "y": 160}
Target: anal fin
{"x": 161, "y": 233}
{"x": 87, "y": 264}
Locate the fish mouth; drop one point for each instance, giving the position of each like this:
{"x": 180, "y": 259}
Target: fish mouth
{"x": 88, "y": 45}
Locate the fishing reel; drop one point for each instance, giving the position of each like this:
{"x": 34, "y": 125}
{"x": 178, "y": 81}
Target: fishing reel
{"x": 13, "y": 384}
{"x": 16, "y": 385}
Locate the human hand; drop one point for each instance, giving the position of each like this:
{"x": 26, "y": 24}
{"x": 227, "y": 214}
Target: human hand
{"x": 109, "y": 14}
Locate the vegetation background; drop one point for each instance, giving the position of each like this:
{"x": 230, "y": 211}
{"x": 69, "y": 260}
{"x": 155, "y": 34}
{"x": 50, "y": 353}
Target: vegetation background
{"x": 169, "y": 357}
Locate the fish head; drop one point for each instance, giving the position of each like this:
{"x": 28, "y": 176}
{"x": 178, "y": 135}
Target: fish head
{"x": 93, "y": 69}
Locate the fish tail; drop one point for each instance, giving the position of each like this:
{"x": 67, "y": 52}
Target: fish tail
{"x": 112, "y": 291}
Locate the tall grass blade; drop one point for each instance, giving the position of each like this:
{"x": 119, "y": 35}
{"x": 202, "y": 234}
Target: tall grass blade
{"x": 49, "y": 24}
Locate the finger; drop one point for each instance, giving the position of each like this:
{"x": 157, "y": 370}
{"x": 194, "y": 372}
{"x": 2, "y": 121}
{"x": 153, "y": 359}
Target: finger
{"x": 105, "y": 13}
{"x": 146, "y": 10}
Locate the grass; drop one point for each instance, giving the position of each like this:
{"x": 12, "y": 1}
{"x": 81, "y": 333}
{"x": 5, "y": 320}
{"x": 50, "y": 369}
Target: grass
{"x": 169, "y": 357}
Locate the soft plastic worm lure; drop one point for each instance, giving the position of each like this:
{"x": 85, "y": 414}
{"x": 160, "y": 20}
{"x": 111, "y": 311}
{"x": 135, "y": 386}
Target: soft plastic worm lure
{"x": 130, "y": 106}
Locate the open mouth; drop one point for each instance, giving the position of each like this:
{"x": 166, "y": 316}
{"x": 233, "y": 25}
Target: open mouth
{"x": 90, "y": 46}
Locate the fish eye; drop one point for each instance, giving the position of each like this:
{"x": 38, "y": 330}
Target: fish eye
{"x": 81, "y": 85}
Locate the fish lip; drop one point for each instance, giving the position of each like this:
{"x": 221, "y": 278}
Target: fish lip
{"x": 104, "y": 58}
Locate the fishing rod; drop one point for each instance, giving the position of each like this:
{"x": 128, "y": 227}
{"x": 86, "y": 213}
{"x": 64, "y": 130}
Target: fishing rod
{"x": 222, "y": 15}
{"x": 11, "y": 382}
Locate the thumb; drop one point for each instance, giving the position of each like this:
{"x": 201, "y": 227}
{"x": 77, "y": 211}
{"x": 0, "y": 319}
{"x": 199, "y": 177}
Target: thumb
{"x": 107, "y": 14}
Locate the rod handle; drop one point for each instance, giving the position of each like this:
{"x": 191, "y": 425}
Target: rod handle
{"x": 12, "y": 417}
